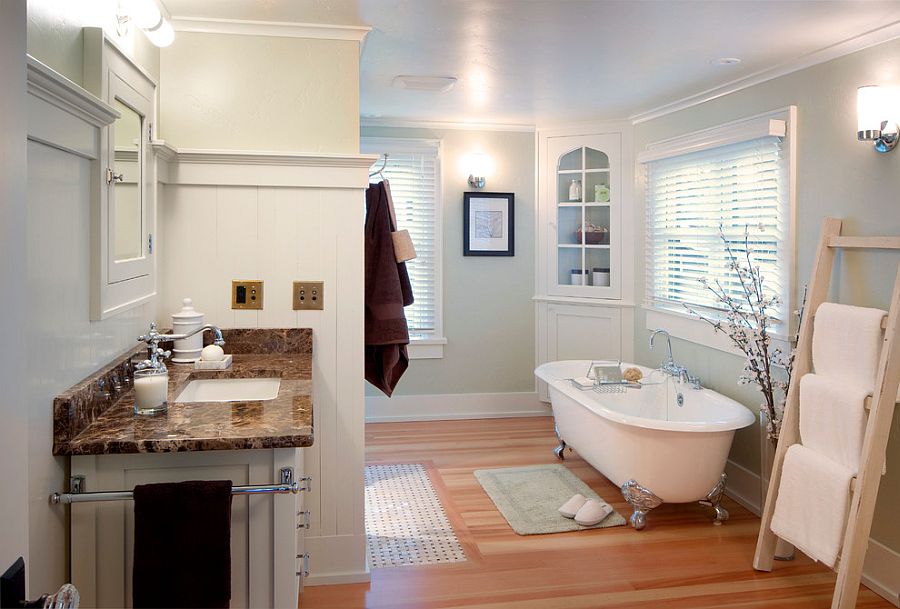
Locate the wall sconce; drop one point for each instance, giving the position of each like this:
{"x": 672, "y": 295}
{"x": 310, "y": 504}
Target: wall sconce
{"x": 873, "y": 112}
{"x": 479, "y": 164}
{"x": 147, "y": 15}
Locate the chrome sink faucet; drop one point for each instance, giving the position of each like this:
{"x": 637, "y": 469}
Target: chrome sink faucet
{"x": 669, "y": 366}
{"x": 156, "y": 355}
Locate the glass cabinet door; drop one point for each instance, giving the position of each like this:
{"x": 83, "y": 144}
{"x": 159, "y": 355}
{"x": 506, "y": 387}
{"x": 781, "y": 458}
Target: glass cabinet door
{"x": 584, "y": 191}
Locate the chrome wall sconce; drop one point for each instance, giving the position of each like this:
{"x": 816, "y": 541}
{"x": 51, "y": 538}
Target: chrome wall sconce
{"x": 476, "y": 182}
{"x": 148, "y": 16}
{"x": 874, "y": 109}
{"x": 478, "y": 165}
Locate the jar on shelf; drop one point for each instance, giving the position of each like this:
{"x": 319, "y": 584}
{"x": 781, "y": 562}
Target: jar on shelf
{"x": 601, "y": 193}
{"x": 575, "y": 190}
{"x": 579, "y": 277}
{"x": 601, "y": 276}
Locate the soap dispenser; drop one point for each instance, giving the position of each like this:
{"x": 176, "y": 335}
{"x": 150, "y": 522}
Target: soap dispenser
{"x": 188, "y": 350}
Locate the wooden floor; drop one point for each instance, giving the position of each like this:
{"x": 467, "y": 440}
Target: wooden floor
{"x": 679, "y": 561}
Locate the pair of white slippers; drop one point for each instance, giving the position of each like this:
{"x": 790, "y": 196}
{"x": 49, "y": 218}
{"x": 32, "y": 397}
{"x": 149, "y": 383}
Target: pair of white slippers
{"x": 586, "y": 512}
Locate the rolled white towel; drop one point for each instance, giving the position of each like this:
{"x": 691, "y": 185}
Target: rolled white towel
{"x": 813, "y": 502}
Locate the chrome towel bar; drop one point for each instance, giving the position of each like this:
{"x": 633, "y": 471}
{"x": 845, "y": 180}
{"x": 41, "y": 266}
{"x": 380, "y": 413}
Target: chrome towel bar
{"x": 288, "y": 485}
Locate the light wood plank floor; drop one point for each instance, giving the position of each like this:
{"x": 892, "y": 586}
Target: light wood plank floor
{"x": 679, "y": 561}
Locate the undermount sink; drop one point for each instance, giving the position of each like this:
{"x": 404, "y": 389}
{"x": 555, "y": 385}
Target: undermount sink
{"x": 230, "y": 390}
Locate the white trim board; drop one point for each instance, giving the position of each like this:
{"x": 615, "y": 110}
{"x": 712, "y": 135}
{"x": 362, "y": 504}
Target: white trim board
{"x": 406, "y": 123}
{"x": 852, "y": 45}
{"x": 280, "y": 29}
{"x": 881, "y": 572}
{"x": 450, "y": 406}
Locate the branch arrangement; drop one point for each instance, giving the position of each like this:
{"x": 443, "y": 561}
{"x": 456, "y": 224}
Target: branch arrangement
{"x": 747, "y": 320}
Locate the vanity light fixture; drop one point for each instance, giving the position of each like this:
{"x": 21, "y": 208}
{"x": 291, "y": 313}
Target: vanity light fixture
{"x": 148, "y": 15}
{"x": 478, "y": 164}
{"x": 874, "y": 119}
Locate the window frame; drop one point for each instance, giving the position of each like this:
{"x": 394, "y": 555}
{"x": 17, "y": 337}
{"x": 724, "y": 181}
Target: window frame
{"x": 424, "y": 346}
{"x": 681, "y": 324}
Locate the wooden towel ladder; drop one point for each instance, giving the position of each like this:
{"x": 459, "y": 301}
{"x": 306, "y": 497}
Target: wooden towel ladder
{"x": 881, "y": 409}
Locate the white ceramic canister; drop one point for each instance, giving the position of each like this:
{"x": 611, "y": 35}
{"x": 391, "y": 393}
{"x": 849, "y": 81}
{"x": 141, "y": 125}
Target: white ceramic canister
{"x": 601, "y": 276}
{"x": 579, "y": 277}
{"x": 187, "y": 319}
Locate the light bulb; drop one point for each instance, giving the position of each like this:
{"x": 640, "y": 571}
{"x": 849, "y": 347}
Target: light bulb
{"x": 162, "y": 36}
{"x": 870, "y": 107}
{"x": 145, "y": 14}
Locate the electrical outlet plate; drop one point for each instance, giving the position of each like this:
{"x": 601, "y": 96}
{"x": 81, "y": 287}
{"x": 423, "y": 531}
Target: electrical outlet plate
{"x": 309, "y": 295}
{"x": 247, "y": 294}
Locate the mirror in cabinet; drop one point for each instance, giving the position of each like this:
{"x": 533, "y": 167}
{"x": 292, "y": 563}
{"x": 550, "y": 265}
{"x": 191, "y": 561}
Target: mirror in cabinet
{"x": 123, "y": 264}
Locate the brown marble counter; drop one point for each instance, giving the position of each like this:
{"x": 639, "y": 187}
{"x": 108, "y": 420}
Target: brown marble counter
{"x": 96, "y": 416}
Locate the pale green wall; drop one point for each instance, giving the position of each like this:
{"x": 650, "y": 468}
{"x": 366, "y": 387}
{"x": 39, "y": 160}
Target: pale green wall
{"x": 488, "y": 312}
{"x": 55, "y": 35}
{"x": 836, "y": 176}
{"x": 260, "y": 93}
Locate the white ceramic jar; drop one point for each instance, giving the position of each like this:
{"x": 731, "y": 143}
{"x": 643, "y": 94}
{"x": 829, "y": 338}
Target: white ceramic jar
{"x": 186, "y": 320}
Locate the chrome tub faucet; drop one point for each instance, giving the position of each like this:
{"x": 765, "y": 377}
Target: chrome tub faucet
{"x": 669, "y": 366}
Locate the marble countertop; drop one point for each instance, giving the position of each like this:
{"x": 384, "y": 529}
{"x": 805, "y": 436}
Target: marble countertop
{"x": 93, "y": 419}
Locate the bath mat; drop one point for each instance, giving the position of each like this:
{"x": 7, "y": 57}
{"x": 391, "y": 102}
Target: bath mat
{"x": 529, "y": 497}
{"x": 405, "y": 521}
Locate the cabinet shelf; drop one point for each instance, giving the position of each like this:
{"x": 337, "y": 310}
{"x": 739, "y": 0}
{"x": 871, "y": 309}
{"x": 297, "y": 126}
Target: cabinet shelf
{"x": 586, "y": 204}
{"x": 586, "y": 246}
{"x": 577, "y": 171}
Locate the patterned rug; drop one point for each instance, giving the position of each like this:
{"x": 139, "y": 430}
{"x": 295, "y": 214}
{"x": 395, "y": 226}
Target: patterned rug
{"x": 529, "y": 498}
{"x": 405, "y": 521}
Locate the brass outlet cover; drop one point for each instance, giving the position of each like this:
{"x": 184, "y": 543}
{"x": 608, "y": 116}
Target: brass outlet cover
{"x": 247, "y": 294}
{"x": 309, "y": 295}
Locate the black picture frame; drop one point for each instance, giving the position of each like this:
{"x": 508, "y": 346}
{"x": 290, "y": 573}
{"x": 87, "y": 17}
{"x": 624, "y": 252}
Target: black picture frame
{"x": 480, "y": 211}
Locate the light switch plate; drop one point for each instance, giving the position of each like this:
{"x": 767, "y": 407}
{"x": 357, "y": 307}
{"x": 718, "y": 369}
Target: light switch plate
{"x": 309, "y": 295}
{"x": 247, "y": 294}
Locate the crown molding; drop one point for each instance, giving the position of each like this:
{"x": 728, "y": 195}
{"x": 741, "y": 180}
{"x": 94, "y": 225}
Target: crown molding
{"x": 191, "y": 166}
{"x": 851, "y": 45}
{"x": 54, "y": 88}
{"x": 281, "y": 29}
{"x": 402, "y": 123}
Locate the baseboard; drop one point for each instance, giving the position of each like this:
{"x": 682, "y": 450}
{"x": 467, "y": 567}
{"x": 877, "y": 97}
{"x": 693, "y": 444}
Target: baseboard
{"x": 743, "y": 486}
{"x": 447, "y": 406}
{"x": 331, "y": 579}
{"x": 881, "y": 572}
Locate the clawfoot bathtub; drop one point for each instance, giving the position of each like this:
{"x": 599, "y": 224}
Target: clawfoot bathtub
{"x": 662, "y": 443}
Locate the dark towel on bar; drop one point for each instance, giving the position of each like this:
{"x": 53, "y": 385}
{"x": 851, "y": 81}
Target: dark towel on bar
{"x": 182, "y": 544}
{"x": 387, "y": 291}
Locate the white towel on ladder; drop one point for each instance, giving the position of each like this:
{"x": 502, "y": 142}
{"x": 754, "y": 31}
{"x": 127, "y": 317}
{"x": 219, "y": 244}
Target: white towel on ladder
{"x": 833, "y": 418}
{"x": 846, "y": 343}
{"x": 813, "y": 503}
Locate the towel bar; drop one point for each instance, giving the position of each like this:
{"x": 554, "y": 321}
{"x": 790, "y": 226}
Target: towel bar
{"x": 253, "y": 489}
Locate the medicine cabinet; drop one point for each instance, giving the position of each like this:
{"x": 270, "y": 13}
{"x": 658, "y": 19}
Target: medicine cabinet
{"x": 123, "y": 262}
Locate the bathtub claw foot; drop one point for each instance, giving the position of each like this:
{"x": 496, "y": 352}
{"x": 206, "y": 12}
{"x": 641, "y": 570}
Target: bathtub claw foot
{"x": 641, "y": 500}
{"x": 714, "y": 500}
{"x": 558, "y": 451}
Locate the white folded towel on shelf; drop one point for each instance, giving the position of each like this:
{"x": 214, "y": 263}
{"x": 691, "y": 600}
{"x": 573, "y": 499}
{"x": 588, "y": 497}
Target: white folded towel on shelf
{"x": 813, "y": 502}
{"x": 846, "y": 343}
{"x": 833, "y": 418}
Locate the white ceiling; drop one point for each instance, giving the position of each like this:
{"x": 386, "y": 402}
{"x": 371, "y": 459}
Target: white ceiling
{"x": 530, "y": 61}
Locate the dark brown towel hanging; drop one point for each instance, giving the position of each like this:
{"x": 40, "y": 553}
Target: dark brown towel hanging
{"x": 388, "y": 290}
{"x": 182, "y": 544}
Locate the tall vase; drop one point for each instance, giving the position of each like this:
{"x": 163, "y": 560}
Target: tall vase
{"x": 767, "y": 447}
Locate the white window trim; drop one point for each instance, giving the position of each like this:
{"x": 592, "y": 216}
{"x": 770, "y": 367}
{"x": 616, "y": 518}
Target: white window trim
{"x": 682, "y": 325}
{"x": 427, "y": 346}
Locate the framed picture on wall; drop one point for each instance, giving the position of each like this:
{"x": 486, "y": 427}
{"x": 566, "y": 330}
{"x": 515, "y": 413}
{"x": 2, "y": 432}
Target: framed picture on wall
{"x": 488, "y": 226}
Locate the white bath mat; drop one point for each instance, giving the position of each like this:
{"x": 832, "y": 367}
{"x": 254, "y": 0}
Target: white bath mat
{"x": 529, "y": 498}
{"x": 405, "y": 521}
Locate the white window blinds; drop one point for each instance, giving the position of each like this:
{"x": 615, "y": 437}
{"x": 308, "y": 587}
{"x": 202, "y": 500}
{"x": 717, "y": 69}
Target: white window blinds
{"x": 691, "y": 196}
{"x": 412, "y": 171}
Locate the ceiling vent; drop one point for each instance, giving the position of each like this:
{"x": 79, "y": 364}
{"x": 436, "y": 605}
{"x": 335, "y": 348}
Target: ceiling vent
{"x": 436, "y": 84}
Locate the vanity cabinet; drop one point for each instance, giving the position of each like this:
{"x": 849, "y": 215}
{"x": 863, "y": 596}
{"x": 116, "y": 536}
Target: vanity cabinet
{"x": 584, "y": 301}
{"x": 266, "y": 530}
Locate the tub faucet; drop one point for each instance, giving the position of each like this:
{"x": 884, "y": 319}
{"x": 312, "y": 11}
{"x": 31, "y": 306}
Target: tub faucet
{"x": 669, "y": 366}
{"x": 157, "y": 355}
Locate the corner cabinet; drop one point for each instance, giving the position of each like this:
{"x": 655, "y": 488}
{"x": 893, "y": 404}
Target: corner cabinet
{"x": 587, "y": 245}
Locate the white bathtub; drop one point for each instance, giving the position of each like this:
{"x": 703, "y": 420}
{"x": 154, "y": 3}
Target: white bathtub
{"x": 643, "y": 441}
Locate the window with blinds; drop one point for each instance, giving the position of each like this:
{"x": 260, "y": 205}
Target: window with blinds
{"x": 412, "y": 171}
{"x": 692, "y": 197}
